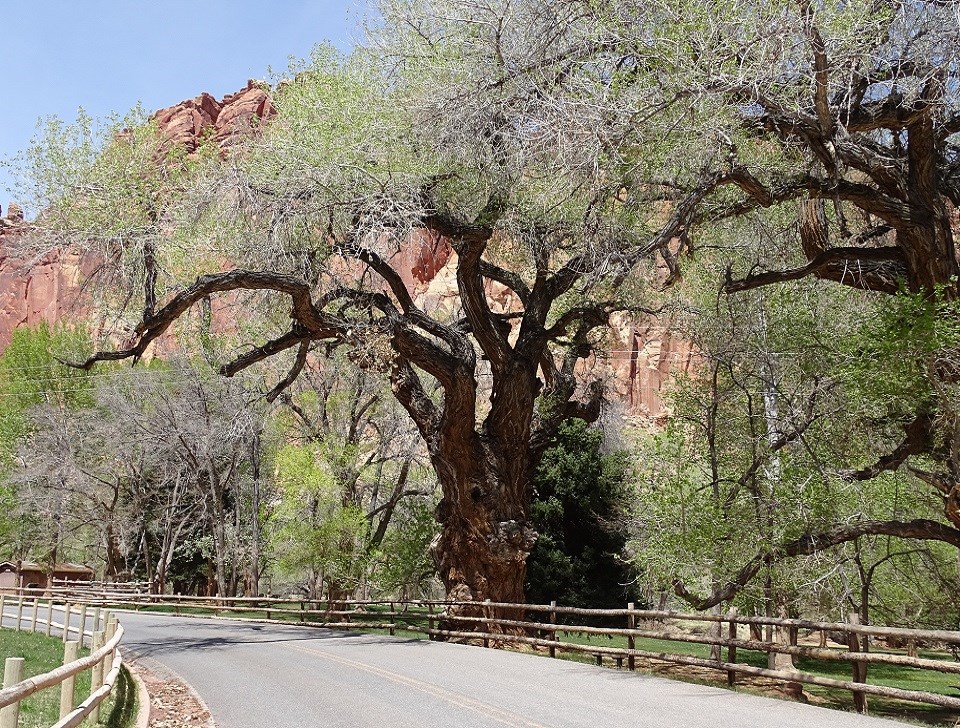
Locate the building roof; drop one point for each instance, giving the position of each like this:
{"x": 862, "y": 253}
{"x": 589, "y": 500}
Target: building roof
{"x": 64, "y": 568}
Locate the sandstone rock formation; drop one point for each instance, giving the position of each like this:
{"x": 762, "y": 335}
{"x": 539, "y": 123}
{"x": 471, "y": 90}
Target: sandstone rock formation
{"x": 49, "y": 289}
{"x": 35, "y": 291}
{"x": 190, "y": 122}
{"x": 644, "y": 358}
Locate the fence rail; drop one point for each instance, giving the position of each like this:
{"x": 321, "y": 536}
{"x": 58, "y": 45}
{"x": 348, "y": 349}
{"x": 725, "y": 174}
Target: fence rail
{"x": 104, "y": 660}
{"x": 500, "y": 623}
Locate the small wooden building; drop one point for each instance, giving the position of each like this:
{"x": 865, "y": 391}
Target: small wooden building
{"x": 16, "y": 575}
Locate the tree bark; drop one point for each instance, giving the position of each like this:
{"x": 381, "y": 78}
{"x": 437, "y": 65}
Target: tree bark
{"x": 485, "y": 537}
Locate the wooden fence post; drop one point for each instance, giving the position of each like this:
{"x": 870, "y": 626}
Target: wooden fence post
{"x": 68, "y": 687}
{"x": 96, "y": 674}
{"x": 12, "y": 674}
{"x": 110, "y": 633}
{"x": 553, "y": 632}
{"x": 859, "y": 668}
{"x": 33, "y": 614}
{"x": 3, "y": 599}
{"x": 486, "y": 625}
{"x": 731, "y": 648}
{"x": 49, "y": 617}
{"x": 631, "y": 640}
{"x": 67, "y": 609}
{"x": 430, "y": 620}
{"x": 393, "y": 621}
{"x": 83, "y": 623}
{"x": 19, "y": 613}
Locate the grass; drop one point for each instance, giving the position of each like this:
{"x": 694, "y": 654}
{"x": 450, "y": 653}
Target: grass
{"x": 42, "y": 654}
{"x": 905, "y": 678}
{"x": 896, "y": 676}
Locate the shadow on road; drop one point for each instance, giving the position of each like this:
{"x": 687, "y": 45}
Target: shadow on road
{"x": 155, "y": 638}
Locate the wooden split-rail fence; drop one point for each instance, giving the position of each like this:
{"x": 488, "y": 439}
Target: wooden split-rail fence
{"x": 34, "y": 614}
{"x": 552, "y": 629}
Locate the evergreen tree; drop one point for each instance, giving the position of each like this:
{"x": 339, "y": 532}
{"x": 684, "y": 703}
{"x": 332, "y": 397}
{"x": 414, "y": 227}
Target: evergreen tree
{"x": 578, "y": 509}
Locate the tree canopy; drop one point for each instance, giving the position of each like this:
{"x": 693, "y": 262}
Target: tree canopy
{"x": 571, "y": 160}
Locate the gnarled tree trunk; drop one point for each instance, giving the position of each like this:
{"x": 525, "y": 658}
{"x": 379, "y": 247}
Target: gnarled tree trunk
{"x": 485, "y": 538}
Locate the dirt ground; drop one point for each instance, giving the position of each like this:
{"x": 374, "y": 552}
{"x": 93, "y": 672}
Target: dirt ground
{"x": 173, "y": 704}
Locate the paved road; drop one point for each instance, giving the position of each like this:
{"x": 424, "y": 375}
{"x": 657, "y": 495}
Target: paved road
{"x": 270, "y": 676}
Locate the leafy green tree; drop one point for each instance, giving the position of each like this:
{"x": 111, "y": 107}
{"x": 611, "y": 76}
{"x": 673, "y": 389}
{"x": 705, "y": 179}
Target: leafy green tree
{"x": 402, "y": 564}
{"x": 745, "y": 493}
{"x": 579, "y": 509}
{"x": 313, "y": 530}
{"x": 32, "y": 373}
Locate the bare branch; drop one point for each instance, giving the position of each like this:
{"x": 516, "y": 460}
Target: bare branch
{"x": 294, "y": 372}
{"x": 918, "y": 440}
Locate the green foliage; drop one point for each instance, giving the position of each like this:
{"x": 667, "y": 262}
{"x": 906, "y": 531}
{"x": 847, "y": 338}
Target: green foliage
{"x": 895, "y": 363}
{"x": 402, "y": 565}
{"x": 313, "y": 529}
{"x": 579, "y": 510}
{"x": 31, "y": 373}
{"x": 715, "y": 490}
{"x": 93, "y": 177}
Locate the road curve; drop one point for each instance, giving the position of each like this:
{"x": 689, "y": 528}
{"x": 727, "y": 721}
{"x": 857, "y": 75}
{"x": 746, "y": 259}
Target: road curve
{"x": 273, "y": 676}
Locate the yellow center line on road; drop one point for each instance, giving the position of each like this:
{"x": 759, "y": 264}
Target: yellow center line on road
{"x": 489, "y": 711}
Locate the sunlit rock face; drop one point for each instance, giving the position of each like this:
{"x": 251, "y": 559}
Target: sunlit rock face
{"x": 32, "y": 292}
{"x": 641, "y": 359}
{"x": 190, "y": 122}
{"x": 644, "y": 357}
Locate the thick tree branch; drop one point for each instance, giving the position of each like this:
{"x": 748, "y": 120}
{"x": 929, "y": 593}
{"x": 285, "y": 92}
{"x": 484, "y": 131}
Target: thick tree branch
{"x": 316, "y": 324}
{"x": 921, "y": 529}
{"x": 821, "y": 74}
{"x": 872, "y": 269}
{"x": 408, "y": 389}
{"x": 383, "y": 269}
{"x": 470, "y": 241}
{"x": 290, "y": 339}
{"x": 506, "y": 278}
{"x": 399, "y": 289}
{"x": 491, "y": 336}
{"x": 918, "y": 440}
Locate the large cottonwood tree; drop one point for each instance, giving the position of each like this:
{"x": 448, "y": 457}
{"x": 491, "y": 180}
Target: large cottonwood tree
{"x": 841, "y": 119}
{"x": 805, "y": 139}
{"x": 359, "y": 166}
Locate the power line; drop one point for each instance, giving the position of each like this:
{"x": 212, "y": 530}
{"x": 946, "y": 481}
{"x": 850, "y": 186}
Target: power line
{"x": 130, "y": 373}
{"x": 73, "y": 390}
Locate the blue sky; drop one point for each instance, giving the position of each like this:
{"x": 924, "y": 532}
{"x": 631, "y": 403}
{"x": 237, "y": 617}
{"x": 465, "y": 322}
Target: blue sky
{"x": 107, "y": 55}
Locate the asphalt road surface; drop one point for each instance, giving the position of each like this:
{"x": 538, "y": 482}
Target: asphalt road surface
{"x": 272, "y": 676}
{"x": 258, "y": 676}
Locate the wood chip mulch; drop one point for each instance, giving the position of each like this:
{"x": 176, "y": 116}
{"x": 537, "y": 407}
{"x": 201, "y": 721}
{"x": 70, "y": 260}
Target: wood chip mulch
{"x": 173, "y": 704}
